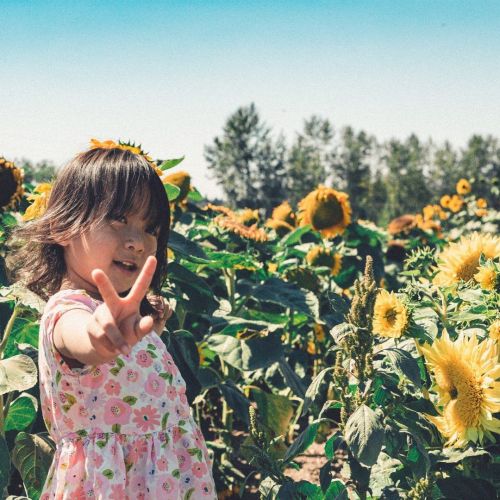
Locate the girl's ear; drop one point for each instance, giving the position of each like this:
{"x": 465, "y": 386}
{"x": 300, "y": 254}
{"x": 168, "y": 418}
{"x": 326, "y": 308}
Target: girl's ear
{"x": 58, "y": 240}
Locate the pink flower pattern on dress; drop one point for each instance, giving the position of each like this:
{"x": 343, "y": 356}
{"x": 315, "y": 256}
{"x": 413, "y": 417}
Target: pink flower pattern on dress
{"x": 123, "y": 429}
{"x": 112, "y": 387}
{"x": 155, "y": 385}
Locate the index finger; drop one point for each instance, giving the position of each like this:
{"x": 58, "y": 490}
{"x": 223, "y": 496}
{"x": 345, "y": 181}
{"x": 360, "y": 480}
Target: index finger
{"x": 106, "y": 288}
{"x": 141, "y": 285}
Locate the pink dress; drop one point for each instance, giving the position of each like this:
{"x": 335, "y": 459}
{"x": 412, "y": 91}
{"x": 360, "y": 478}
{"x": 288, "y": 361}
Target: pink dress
{"x": 123, "y": 429}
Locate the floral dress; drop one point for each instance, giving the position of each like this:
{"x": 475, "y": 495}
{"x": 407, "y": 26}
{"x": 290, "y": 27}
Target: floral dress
{"x": 123, "y": 429}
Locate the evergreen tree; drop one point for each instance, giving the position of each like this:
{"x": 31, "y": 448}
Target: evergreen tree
{"x": 350, "y": 168}
{"x": 445, "y": 171}
{"x": 307, "y": 158}
{"x": 480, "y": 163}
{"x": 247, "y": 162}
{"x": 407, "y": 186}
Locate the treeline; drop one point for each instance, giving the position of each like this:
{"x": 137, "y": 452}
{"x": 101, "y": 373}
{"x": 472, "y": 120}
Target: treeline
{"x": 258, "y": 170}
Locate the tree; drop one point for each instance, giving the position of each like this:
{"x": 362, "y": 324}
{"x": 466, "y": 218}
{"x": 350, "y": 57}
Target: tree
{"x": 407, "y": 187}
{"x": 247, "y": 162}
{"x": 444, "y": 172}
{"x": 350, "y": 168}
{"x": 307, "y": 158}
{"x": 42, "y": 171}
{"x": 480, "y": 163}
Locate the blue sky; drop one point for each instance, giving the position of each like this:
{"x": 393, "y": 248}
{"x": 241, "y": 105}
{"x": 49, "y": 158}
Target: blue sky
{"x": 168, "y": 74}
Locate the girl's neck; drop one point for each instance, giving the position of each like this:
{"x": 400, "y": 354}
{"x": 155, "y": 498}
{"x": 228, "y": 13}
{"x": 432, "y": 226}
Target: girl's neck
{"x": 69, "y": 284}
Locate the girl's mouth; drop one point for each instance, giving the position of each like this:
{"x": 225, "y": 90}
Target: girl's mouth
{"x": 126, "y": 266}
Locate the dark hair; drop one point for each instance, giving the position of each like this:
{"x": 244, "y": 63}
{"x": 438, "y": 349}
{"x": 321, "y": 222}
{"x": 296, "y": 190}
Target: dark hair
{"x": 93, "y": 186}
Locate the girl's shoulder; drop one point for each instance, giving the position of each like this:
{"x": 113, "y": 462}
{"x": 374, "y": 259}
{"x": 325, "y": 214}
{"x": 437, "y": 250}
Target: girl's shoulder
{"x": 70, "y": 298}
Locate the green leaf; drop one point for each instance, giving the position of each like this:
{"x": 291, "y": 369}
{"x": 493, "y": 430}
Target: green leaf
{"x": 275, "y": 411}
{"x": 332, "y": 445}
{"x": 24, "y": 332}
{"x": 455, "y": 456}
{"x": 251, "y": 354}
{"x": 17, "y": 373}
{"x": 303, "y": 441}
{"x": 26, "y": 297}
{"x": 364, "y": 435}
{"x": 295, "y": 236}
{"x": 130, "y": 400}
{"x": 4, "y": 463}
{"x": 22, "y": 412}
{"x": 309, "y": 490}
{"x": 336, "y": 491}
{"x": 195, "y": 195}
{"x": 187, "y": 248}
{"x": 235, "y": 399}
{"x": 292, "y": 379}
{"x": 32, "y": 457}
{"x": 463, "y": 488}
{"x": 108, "y": 473}
{"x": 286, "y": 294}
{"x": 172, "y": 191}
{"x": 313, "y": 389}
{"x": 404, "y": 362}
{"x": 168, "y": 164}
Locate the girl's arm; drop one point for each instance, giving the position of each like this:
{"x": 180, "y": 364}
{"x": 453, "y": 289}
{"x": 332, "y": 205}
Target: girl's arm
{"x": 72, "y": 340}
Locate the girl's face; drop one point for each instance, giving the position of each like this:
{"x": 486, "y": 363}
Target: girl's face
{"x": 118, "y": 246}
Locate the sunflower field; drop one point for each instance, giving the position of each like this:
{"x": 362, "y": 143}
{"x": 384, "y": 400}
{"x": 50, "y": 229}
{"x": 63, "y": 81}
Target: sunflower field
{"x": 325, "y": 357}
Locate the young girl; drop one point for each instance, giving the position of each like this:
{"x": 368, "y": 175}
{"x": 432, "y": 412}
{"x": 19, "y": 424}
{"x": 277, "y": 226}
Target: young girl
{"x": 112, "y": 397}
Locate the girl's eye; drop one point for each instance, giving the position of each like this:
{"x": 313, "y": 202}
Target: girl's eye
{"x": 153, "y": 231}
{"x": 120, "y": 218}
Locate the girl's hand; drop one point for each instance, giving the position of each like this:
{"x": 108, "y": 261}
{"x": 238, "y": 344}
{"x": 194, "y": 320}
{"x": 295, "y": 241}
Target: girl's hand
{"x": 163, "y": 312}
{"x": 117, "y": 325}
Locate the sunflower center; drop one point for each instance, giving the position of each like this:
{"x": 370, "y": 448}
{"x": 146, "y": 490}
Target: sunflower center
{"x": 391, "y": 316}
{"x": 466, "y": 270}
{"x": 327, "y": 213}
{"x": 9, "y": 186}
{"x": 467, "y": 397}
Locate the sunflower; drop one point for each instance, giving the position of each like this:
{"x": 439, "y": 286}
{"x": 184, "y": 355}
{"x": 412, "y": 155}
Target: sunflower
{"x": 125, "y": 146}
{"x": 319, "y": 332}
{"x": 429, "y": 211}
{"x": 248, "y": 217}
{"x": 390, "y": 317}
{"x": 494, "y": 330}
{"x": 456, "y": 204}
{"x": 39, "y": 201}
{"x": 487, "y": 277}
{"x": 445, "y": 201}
{"x": 280, "y": 226}
{"x": 463, "y": 186}
{"x": 285, "y": 213}
{"x": 320, "y": 256}
{"x": 481, "y": 203}
{"x": 250, "y": 233}
{"x": 427, "y": 224}
{"x": 180, "y": 179}
{"x": 465, "y": 373}
{"x": 327, "y": 210}
{"x": 460, "y": 261}
{"x": 221, "y": 209}
{"x": 11, "y": 180}
{"x": 402, "y": 224}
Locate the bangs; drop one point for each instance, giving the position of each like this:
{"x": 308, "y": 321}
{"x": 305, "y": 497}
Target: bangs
{"x": 116, "y": 182}
{"x": 138, "y": 193}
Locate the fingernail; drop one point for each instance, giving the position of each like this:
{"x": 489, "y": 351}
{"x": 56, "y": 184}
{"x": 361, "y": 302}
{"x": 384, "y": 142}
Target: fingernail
{"x": 125, "y": 350}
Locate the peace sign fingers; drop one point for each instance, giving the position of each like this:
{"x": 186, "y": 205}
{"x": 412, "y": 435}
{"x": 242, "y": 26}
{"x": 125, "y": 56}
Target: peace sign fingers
{"x": 107, "y": 290}
{"x": 141, "y": 285}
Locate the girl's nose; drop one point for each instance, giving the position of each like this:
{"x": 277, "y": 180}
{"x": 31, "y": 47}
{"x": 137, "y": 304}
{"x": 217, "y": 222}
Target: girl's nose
{"x": 134, "y": 243}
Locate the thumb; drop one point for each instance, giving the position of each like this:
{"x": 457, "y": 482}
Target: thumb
{"x": 143, "y": 326}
